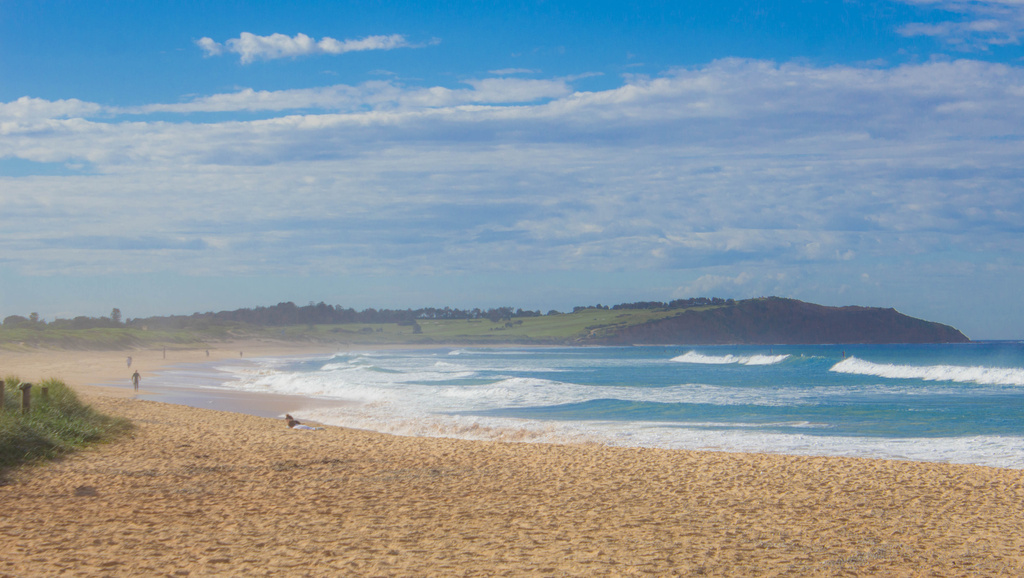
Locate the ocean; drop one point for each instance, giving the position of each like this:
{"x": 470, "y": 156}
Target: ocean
{"x": 956, "y": 403}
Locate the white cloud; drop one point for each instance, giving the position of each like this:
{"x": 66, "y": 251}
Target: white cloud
{"x": 707, "y": 285}
{"x": 211, "y": 47}
{"x": 510, "y": 71}
{"x": 251, "y": 47}
{"x": 26, "y": 108}
{"x": 980, "y": 23}
{"x": 736, "y": 166}
{"x": 375, "y": 95}
{"x": 330, "y": 98}
{"x": 488, "y": 91}
{"x": 791, "y": 96}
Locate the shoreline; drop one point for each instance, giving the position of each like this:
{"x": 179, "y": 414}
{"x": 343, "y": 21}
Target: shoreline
{"x": 199, "y": 492}
{"x": 102, "y": 372}
{"x": 107, "y": 373}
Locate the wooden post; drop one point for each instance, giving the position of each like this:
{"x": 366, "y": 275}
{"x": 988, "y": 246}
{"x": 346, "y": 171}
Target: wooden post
{"x": 45, "y": 391}
{"x": 26, "y": 397}
{"x": 1, "y": 395}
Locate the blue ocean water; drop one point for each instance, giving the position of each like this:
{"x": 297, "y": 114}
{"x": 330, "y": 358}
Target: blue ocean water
{"x": 959, "y": 403}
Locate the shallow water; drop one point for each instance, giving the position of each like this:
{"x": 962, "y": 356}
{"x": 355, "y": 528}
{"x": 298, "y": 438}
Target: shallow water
{"x": 961, "y": 403}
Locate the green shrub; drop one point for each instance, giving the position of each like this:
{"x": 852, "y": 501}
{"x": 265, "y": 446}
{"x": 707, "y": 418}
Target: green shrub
{"x": 54, "y": 426}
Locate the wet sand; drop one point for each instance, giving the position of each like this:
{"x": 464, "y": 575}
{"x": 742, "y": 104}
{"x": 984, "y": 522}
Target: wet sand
{"x": 201, "y": 492}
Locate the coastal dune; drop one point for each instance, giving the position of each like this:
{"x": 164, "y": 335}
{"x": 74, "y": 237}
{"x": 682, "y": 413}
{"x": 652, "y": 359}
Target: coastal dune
{"x": 196, "y": 492}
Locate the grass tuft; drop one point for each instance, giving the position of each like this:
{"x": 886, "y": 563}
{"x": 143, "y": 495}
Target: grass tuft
{"x": 54, "y": 426}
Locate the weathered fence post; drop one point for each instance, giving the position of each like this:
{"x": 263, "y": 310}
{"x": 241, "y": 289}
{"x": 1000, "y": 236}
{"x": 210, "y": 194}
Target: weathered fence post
{"x": 1, "y": 395}
{"x": 45, "y": 391}
{"x": 26, "y": 397}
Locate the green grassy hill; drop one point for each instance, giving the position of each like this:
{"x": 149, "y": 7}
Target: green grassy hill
{"x": 769, "y": 320}
{"x": 568, "y": 328}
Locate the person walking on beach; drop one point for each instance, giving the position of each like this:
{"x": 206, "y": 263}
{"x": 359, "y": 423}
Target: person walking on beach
{"x": 136, "y": 378}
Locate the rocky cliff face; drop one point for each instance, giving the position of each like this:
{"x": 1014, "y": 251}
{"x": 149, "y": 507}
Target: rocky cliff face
{"x": 784, "y": 321}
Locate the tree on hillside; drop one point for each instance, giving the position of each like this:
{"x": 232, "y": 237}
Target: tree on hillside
{"x": 115, "y": 316}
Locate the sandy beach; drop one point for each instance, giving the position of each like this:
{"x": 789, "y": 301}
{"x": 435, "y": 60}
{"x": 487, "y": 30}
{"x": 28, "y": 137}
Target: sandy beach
{"x": 200, "y": 492}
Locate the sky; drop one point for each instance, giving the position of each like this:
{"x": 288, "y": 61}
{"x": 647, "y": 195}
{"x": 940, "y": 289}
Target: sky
{"x": 178, "y": 157}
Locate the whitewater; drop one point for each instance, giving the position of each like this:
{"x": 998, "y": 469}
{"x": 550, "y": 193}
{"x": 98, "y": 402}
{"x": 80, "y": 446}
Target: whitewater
{"x": 961, "y": 403}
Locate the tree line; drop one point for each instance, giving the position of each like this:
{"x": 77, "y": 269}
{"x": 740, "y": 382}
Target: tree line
{"x": 289, "y": 313}
{"x": 80, "y": 322}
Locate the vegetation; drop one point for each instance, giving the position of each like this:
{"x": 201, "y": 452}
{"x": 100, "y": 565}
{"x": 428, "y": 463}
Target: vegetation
{"x": 98, "y": 339}
{"x": 691, "y": 321}
{"x": 54, "y": 426}
{"x": 570, "y": 328}
{"x": 336, "y": 324}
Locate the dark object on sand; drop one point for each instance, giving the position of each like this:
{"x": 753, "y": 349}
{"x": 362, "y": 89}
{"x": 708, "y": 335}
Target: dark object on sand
{"x": 296, "y": 424}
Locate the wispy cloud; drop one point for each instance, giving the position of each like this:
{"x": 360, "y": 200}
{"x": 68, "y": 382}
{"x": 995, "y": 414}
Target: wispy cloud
{"x": 737, "y": 166}
{"x": 26, "y": 108}
{"x": 377, "y": 95}
{"x": 251, "y": 47}
{"x": 511, "y": 71}
{"x": 751, "y": 103}
{"x": 978, "y": 23}
{"x": 713, "y": 285}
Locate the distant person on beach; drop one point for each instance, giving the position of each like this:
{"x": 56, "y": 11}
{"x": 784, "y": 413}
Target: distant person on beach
{"x": 136, "y": 378}
{"x": 129, "y": 361}
{"x": 296, "y": 424}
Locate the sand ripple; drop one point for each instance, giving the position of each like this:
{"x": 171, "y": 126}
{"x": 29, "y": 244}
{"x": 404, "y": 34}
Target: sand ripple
{"x": 199, "y": 493}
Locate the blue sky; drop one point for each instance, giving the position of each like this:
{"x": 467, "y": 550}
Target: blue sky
{"x": 174, "y": 157}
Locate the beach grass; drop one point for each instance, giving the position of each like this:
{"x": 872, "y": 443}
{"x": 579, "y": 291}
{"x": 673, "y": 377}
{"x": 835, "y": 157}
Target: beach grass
{"x": 56, "y": 424}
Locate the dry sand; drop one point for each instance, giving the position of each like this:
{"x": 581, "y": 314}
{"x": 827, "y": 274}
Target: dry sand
{"x": 200, "y": 492}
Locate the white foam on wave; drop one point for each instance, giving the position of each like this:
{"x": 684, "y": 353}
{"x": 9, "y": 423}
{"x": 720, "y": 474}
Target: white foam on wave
{"x": 410, "y": 394}
{"x": 759, "y": 359}
{"x": 435, "y": 387}
{"x": 956, "y": 373}
{"x": 994, "y": 451}
{"x": 484, "y": 351}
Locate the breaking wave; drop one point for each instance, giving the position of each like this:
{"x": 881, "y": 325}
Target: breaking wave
{"x": 957, "y": 373}
{"x": 694, "y": 357}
